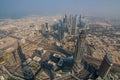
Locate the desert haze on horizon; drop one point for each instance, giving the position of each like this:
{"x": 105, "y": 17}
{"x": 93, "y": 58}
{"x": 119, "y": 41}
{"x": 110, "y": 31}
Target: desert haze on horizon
{"x": 20, "y": 8}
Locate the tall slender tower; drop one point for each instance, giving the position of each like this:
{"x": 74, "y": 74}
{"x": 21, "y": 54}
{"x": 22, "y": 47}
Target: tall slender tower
{"x": 80, "y": 47}
{"x": 80, "y": 21}
{"x": 60, "y": 30}
{"x": 74, "y": 24}
{"x": 79, "y": 52}
{"x": 46, "y": 25}
{"x": 70, "y": 25}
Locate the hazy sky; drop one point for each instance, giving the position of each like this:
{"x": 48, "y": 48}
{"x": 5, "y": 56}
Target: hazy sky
{"x": 17, "y": 8}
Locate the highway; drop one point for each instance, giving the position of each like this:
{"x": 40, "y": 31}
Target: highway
{"x": 12, "y": 75}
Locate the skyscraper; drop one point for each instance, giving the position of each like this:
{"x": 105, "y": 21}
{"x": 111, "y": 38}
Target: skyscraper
{"x": 43, "y": 29}
{"x": 60, "y": 30}
{"x": 74, "y": 24}
{"x": 79, "y": 48}
{"x": 46, "y": 25}
{"x": 49, "y": 69}
{"x": 70, "y": 25}
{"x": 105, "y": 66}
{"x": 80, "y": 22}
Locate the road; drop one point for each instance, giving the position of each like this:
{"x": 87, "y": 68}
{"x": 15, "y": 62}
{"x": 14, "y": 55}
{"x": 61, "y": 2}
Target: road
{"x": 10, "y": 74}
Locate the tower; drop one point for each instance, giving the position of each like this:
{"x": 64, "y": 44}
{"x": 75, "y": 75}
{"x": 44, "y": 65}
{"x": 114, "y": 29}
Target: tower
{"x": 79, "y": 52}
{"x": 65, "y": 19}
{"x": 46, "y": 25}
{"x": 105, "y": 66}
{"x": 74, "y": 24}
{"x": 43, "y": 29}
{"x": 80, "y": 22}
{"x": 80, "y": 47}
{"x": 60, "y": 30}
{"x": 49, "y": 69}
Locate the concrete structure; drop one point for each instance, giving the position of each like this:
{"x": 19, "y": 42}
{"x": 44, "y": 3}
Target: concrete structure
{"x": 79, "y": 48}
{"x": 105, "y": 66}
{"x": 39, "y": 50}
{"x": 47, "y": 33}
{"x": 46, "y": 25}
{"x": 74, "y": 24}
{"x": 49, "y": 69}
{"x": 37, "y": 59}
{"x": 43, "y": 28}
{"x": 60, "y": 30}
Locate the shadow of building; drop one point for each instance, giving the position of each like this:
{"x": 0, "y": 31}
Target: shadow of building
{"x": 27, "y": 72}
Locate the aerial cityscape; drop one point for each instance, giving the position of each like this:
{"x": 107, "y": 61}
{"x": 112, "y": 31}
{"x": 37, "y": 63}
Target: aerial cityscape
{"x": 59, "y": 46}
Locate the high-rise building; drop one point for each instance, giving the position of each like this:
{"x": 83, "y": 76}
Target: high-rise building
{"x": 43, "y": 28}
{"x": 47, "y": 33}
{"x": 60, "y": 30}
{"x": 74, "y": 24}
{"x": 61, "y": 33}
{"x": 79, "y": 52}
{"x": 46, "y": 25}
{"x": 49, "y": 69}
{"x": 70, "y": 25}
{"x": 65, "y": 23}
{"x": 77, "y": 31}
{"x": 105, "y": 66}
{"x": 80, "y": 47}
{"x": 65, "y": 19}
{"x": 80, "y": 21}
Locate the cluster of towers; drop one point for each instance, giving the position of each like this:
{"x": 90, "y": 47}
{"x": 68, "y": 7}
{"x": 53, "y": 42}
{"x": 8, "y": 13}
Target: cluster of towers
{"x": 45, "y": 29}
{"x": 68, "y": 25}
{"x": 67, "y": 64}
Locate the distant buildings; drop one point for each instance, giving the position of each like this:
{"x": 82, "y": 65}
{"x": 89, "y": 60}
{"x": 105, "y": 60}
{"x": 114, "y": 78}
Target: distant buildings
{"x": 74, "y": 24}
{"x": 63, "y": 33}
{"x": 46, "y": 25}
{"x": 69, "y": 25}
{"x": 45, "y": 30}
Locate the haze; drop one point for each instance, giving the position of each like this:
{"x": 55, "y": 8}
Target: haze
{"x": 20, "y": 8}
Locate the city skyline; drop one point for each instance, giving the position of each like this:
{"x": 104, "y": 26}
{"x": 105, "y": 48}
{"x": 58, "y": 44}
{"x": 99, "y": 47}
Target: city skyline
{"x": 59, "y": 47}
